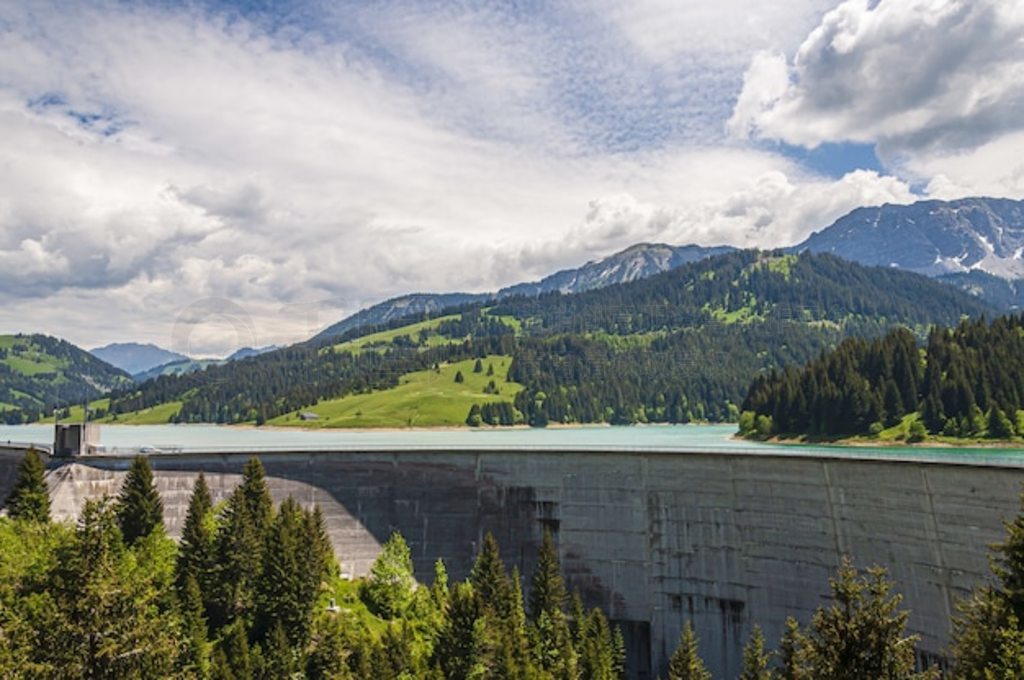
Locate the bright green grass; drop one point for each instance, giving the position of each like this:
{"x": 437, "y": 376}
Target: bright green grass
{"x": 385, "y": 337}
{"x": 422, "y": 399}
{"x": 156, "y": 415}
{"x": 27, "y": 366}
{"x": 782, "y": 265}
{"x": 77, "y": 411}
{"x": 425, "y": 329}
{"x": 745, "y": 314}
{"x": 626, "y": 342}
{"x": 512, "y": 322}
{"x": 350, "y": 607}
{"x": 31, "y": 361}
{"x": 901, "y": 430}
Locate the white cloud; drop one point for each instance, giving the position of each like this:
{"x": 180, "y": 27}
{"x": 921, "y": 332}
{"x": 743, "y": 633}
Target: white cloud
{"x": 909, "y": 75}
{"x": 156, "y": 158}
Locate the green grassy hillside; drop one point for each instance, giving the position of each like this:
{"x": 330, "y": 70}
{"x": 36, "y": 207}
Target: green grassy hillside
{"x": 39, "y": 373}
{"x": 430, "y": 398}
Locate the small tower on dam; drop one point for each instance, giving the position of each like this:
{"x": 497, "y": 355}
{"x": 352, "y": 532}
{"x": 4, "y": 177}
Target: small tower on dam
{"x": 74, "y": 439}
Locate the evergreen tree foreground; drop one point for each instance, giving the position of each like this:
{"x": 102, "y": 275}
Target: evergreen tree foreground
{"x": 29, "y": 499}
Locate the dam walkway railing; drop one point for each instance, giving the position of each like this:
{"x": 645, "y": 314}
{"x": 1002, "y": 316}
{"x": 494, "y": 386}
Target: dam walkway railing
{"x": 982, "y": 457}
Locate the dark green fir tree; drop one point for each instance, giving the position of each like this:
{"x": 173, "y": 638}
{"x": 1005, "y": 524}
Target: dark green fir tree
{"x": 139, "y": 508}
{"x": 29, "y": 499}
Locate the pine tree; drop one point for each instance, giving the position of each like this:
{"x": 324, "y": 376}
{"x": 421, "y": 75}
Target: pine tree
{"x": 489, "y": 578}
{"x": 256, "y": 497}
{"x": 115, "y": 617}
{"x": 322, "y": 557}
{"x": 459, "y": 377}
{"x": 139, "y": 508}
{"x": 861, "y": 635}
{"x": 619, "y": 653}
{"x": 478, "y": 367}
{"x": 238, "y": 546}
{"x": 29, "y": 499}
{"x": 989, "y": 621}
{"x": 456, "y": 652}
{"x": 791, "y": 652}
{"x": 196, "y": 656}
{"x": 755, "y": 658}
{"x": 999, "y": 426}
{"x": 278, "y": 658}
{"x": 547, "y": 592}
{"x": 327, "y": 658}
{"x": 233, "y": 658}
{"x": 195, "y": 550}
{"x": 596, "y": 648}
{"x": 288, "y": 584}
{"x": 439, "y": 587}
{"x": 686, "y": 663}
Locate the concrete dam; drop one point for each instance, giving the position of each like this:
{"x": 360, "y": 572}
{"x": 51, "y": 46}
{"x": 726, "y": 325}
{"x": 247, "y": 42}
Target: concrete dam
{"x": 655, "y": 539}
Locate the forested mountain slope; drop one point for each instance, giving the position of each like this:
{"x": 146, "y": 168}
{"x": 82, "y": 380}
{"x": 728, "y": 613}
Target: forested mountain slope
{"x": 678, "y": 346}
{"x": 969, "y": 384}
{"x": 38, "y": 373}
{"x": 636, "y": 262}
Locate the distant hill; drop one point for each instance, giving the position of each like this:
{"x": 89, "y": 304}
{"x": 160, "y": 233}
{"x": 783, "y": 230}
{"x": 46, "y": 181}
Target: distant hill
{"x": 415, "y": 304}
{"x": 246, "y": 352}
{"x": 636, "y": 262}
{"x": 39, "y": 373}
{"x": 134, "y": 357}
{"x": 178, "y": 367}
{"x": 934, "y": 238}
{"x": 678, "y": 346}
{"x": 186, "y": 365}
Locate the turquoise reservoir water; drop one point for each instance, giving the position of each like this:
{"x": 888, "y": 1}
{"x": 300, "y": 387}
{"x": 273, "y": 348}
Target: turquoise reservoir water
{"x": 666, "y": 438}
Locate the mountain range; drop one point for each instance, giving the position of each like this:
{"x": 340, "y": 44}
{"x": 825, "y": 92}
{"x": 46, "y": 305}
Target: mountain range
{"x": 934, "y": 238}
{"x": 975, "y": 244}
{"x": 134, "y": 357}
{"x": 636, "y": 262}
{"x": 673, "y": 347}
{"x": 145, "y": 361}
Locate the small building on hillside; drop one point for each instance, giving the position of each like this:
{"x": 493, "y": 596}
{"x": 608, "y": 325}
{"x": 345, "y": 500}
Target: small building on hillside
{"x": 308, "y": 415}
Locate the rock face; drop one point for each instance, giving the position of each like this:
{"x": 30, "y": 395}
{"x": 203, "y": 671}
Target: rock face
{"x": 722, "y": 540}
{"x": 934, "y": 238}
{"x": 636, "y": 262}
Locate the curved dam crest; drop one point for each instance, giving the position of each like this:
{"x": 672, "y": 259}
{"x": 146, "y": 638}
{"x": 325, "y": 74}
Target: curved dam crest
{"x": 722, "y": 540}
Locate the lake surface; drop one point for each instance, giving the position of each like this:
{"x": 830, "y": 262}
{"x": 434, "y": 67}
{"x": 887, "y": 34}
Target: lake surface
{"x": 667, "y": 438}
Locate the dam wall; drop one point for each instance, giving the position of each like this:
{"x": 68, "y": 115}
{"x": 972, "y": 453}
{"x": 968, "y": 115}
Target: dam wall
{"x": 656, "y": 539}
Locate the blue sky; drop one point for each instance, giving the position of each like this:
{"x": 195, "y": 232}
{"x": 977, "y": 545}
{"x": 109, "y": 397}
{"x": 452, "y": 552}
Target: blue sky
{"x": 293, "y": 162}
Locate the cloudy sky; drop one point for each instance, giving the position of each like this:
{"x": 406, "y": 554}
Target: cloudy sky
{"x": 205, "y": 175}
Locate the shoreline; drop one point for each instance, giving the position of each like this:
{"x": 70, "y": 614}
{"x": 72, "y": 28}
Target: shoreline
{"x": 859, "y": 443}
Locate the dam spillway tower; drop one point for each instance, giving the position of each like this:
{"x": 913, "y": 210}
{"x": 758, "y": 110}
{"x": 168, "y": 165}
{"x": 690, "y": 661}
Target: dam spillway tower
{"x": 71, "y": 440}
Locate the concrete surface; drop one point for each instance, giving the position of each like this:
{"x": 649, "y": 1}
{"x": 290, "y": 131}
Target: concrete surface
{"x": 723, "y": 540}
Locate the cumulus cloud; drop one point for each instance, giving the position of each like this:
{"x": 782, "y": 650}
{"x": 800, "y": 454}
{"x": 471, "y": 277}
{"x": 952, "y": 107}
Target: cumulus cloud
{"x": 910, "y": 75}
{"x": 767, "y": 211}
{"x": 156, "y": 156}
